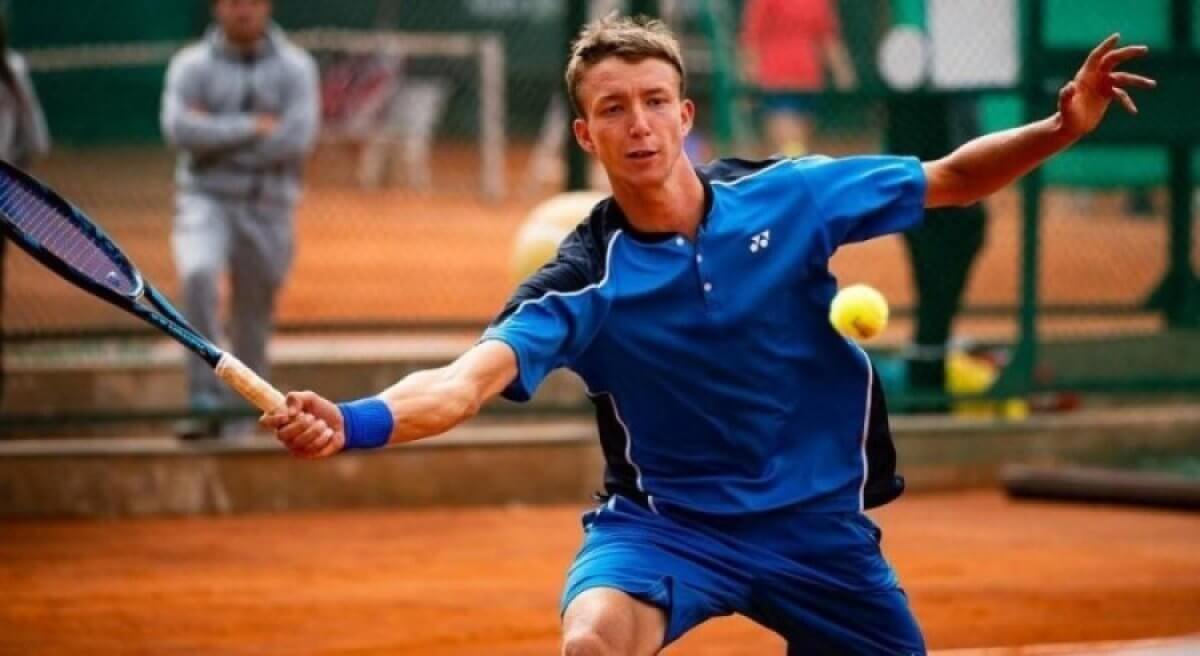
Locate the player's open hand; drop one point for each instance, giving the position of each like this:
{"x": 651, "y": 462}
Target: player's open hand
{"x": 309, "y": 425}
{"x": 1084, "y": 100}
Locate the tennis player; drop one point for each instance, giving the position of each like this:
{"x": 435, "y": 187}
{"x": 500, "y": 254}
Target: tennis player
{"x": 744, "y": 438}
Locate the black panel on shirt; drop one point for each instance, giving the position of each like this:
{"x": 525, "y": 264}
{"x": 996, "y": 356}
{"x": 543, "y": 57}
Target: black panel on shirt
{"x": 732, "y": 169}
{"x": 883, "y": 485}
{"x": 620, "y": 477}
{"x": 580, "y": 262}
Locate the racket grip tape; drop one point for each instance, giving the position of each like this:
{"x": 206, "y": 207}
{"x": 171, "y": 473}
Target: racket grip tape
{"x": 249, "y": 384}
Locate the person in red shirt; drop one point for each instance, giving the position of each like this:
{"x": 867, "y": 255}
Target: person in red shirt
{"x": 785, "y": 47}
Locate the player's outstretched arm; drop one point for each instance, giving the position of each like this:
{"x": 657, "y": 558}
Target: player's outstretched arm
{"x": 423, "y": 404}
{"x": 991, "y": 162}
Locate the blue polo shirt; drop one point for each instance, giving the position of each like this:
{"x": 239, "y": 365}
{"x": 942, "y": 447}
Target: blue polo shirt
{"x": 719, "y": 385}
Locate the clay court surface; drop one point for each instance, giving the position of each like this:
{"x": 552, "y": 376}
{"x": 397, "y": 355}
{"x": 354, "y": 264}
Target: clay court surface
{"x": 395, "y": 255}
{"x": 981, "y": 571}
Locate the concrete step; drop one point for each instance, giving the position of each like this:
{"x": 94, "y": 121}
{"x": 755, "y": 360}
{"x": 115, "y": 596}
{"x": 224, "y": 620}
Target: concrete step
{"x": 136, "y": 386}
{"x": 487, "y": 462}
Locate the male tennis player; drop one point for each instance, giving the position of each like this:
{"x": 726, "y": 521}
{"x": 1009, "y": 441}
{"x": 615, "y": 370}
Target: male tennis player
{"x": 743, "y": 436}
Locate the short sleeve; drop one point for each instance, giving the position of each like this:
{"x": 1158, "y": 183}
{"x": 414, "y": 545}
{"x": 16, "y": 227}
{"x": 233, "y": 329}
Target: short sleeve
{"x": 551, "y": 318}
{"x": 859, "y": 198}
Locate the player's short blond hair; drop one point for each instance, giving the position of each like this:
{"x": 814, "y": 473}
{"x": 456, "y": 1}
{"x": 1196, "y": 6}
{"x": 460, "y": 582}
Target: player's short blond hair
{"x": 631, "y": 39}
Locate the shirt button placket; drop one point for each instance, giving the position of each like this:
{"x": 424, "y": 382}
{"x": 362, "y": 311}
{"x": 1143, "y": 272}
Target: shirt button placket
{"x": 706, "y": 284}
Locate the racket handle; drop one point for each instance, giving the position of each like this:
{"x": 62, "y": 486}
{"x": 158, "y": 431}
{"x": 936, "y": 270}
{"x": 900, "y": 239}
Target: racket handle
{"x": 249, "y": 384}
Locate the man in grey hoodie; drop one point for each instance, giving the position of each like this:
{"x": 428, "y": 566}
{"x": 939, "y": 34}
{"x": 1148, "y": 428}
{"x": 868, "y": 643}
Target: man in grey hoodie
{"x": 242, "y": 109}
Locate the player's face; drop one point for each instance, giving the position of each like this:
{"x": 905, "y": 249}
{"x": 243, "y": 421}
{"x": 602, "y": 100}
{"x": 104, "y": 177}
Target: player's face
{"x": 634, "y": 119}
{"x": 243, "y": 21}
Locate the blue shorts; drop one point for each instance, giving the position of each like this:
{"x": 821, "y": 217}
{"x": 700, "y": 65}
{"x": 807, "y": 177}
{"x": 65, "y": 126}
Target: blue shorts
{"x": 818, "y": 579}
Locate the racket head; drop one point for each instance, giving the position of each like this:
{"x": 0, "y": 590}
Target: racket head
{"x": 63, "y": 238}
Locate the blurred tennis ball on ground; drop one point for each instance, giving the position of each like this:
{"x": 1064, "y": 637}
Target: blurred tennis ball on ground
{"x": 859, "y": 312}
{"x": 544, "y": 229}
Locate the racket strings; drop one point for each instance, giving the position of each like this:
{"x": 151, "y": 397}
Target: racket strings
{"x": 59, "y": 235}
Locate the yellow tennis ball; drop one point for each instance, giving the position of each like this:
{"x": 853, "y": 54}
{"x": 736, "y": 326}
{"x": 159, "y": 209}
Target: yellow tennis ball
{"x": 535, "y": 245}
{"x": 566, "y": 209}
{"x": 859, "y": 312}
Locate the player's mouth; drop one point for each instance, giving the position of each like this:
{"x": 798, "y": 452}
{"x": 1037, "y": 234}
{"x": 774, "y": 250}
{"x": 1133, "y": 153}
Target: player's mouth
{"x": 640, "y": 155}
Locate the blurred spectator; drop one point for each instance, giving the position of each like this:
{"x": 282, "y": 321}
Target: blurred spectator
{"x": 242, "y": 108}
{"x": 785, "y": 47}
{"x": 23, "y": 135}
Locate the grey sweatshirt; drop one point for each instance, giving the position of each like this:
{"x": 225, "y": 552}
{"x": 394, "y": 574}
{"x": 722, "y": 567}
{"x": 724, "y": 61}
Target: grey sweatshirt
{"x": 23, "y": 134}
{"x": 213, "y": 94}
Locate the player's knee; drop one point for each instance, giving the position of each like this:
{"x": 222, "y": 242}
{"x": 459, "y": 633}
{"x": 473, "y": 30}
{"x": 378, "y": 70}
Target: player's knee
{"x": 587, "y": 641}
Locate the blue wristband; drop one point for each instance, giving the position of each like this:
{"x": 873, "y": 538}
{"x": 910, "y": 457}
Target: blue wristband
{"x": 368, "y": 423}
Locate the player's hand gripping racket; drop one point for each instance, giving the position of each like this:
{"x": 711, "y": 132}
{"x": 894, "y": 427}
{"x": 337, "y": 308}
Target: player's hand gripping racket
{"x": 61, "y": 237}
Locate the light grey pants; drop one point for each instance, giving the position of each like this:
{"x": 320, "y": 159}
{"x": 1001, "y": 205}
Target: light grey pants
{"x": 253, "y": 242}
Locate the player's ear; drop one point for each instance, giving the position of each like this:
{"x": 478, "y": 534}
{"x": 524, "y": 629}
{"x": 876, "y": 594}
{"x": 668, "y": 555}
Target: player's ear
{"x": 583, "y": 135}
{"x": 687, "y": 112}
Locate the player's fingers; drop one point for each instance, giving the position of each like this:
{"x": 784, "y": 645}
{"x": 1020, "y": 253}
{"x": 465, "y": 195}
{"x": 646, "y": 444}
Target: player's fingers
{"x": 1098, "y": 53}
{"x": 1132, "y": 80}
{"x": 273, "y": 419}
{"x": 1126, "y": 101}
{"x": 294, "y": 428}
{"x": 337, "y": 441}
{"x": 322, "y": 441}
{"x": 272, "y": 422}
{"x": 305, "y": 440}
{"x": 295, "y": 403}
{"x": 318, "y": 446}
{"x": 1117, "y": 57}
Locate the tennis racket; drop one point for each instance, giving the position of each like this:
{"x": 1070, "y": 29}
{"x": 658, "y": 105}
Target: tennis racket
{"x": 66, "y": 241}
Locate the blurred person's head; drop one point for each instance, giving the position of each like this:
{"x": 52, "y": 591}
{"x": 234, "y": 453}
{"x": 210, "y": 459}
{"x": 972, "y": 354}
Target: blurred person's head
{"x": 244, "y": 22}
{"x": 625, "y": 79}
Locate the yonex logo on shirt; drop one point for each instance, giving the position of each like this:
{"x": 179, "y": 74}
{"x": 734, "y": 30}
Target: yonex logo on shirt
{"x": 760, "y": 241}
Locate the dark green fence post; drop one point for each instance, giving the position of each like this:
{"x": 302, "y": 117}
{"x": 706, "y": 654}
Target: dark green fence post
{"x": 1018, "y": 375}
{"x": 1178, "y": 296}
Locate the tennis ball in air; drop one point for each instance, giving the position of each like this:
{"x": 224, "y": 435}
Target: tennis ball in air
{"x": 859, "y": 312}
{"x": 544, "y": 229}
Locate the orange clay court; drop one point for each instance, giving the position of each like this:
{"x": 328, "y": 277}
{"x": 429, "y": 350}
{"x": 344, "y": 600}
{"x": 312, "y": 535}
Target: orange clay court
{"x": 981, "y": 571}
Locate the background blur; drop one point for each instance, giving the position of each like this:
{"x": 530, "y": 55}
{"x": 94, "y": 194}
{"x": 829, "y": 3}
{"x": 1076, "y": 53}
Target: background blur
{"x": 1072, "y": 369}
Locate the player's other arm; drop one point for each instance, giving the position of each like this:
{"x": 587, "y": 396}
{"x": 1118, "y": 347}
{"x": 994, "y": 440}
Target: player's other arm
{"x": 423, "y": 404}
{"x": 991, "y": 162}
